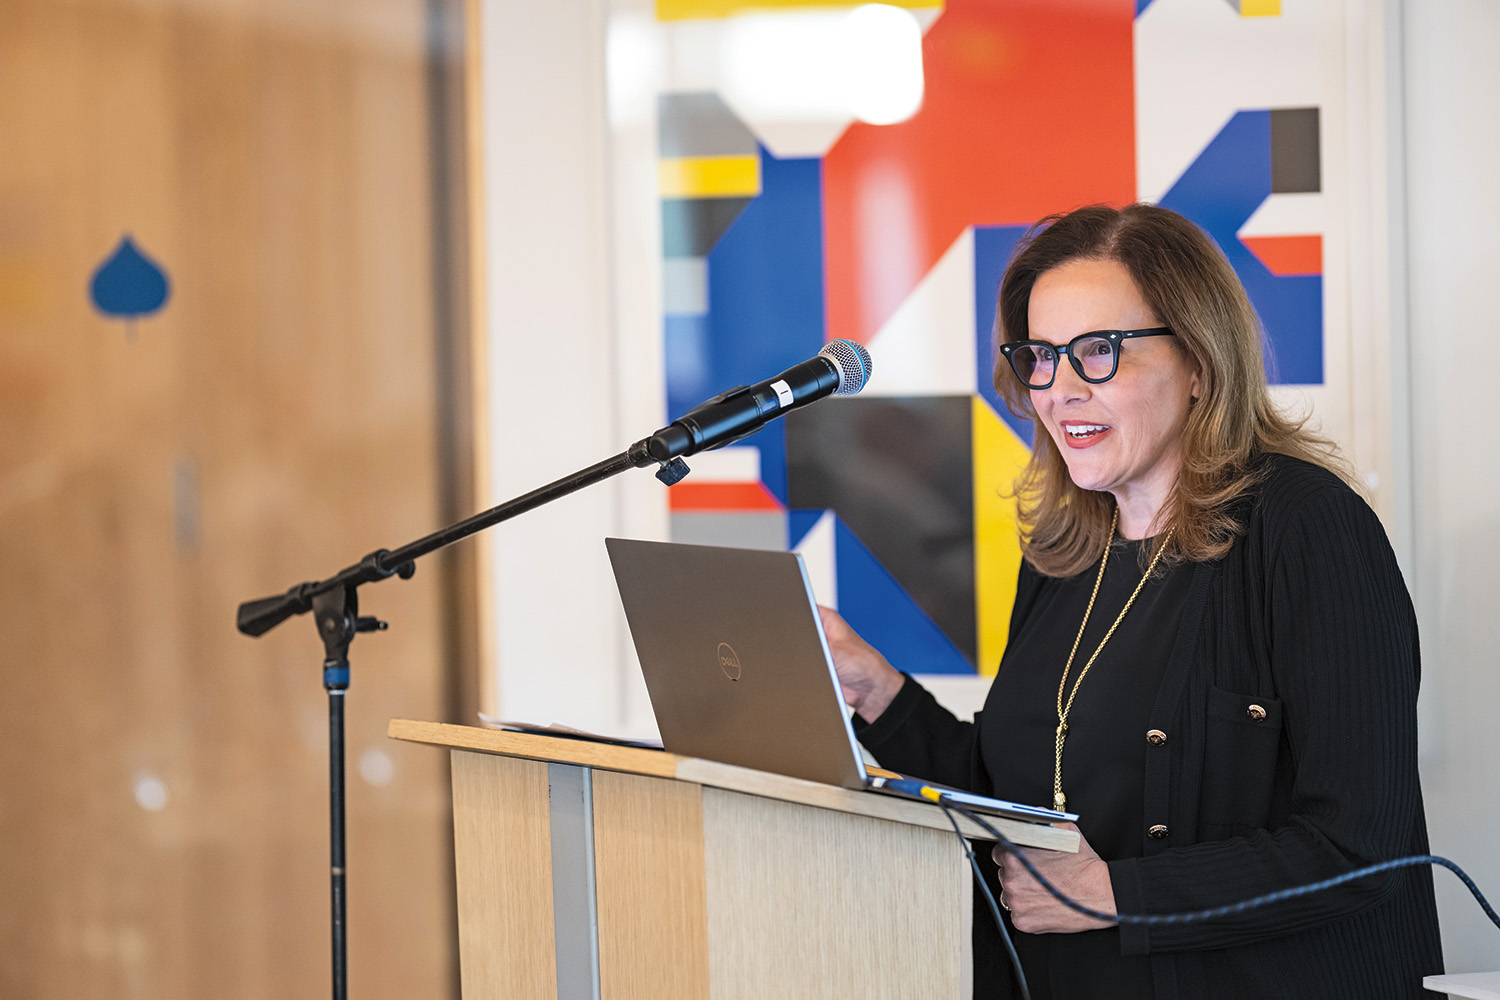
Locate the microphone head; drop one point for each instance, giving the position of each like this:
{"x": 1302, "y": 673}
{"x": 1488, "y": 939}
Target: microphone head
{"x": 851, "y": 361}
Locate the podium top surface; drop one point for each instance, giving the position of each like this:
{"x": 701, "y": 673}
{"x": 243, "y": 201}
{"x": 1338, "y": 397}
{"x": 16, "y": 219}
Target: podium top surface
{"x": 660, "y": 764}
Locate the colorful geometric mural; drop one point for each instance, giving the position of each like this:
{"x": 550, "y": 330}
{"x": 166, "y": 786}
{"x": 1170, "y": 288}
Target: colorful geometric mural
{"x": 896, "y": 237}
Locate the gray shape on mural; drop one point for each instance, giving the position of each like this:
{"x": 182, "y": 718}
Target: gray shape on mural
{"x": 1296, "y": 160}
{"x": 701, "y": 125}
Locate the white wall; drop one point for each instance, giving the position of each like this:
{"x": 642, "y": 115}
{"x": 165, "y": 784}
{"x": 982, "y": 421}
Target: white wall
{"x": 551, "y": 266}
{"x": 1453, "y": 216}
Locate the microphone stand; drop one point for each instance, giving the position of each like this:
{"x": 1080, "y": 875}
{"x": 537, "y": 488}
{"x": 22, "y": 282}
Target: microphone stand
{"x": 334, "y": 603}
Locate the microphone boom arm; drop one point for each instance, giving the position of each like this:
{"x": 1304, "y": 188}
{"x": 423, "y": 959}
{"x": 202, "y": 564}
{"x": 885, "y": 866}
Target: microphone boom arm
{"x": 259, "y": 616}
{"x": 335, "y": 601}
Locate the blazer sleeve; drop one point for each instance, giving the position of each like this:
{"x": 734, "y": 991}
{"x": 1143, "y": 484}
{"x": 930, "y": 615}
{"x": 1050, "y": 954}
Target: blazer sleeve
{"x": 917, "y": 736}
{"x": 1340, "y": 633}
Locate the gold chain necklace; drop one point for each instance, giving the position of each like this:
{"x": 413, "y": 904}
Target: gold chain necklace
{"x": 1059, "y": 800}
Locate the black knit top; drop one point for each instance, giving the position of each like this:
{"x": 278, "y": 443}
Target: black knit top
{"x": 1104, "y": 765}
{"x": 1306, "y": 617}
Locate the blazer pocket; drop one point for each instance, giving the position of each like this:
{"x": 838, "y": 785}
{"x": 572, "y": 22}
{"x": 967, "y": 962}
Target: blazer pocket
{"x": 1239, "y": 766}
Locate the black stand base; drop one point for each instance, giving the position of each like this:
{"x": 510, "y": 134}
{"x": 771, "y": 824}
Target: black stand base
{"x": 336, "y": 829}
{"x": 337, "y": 615}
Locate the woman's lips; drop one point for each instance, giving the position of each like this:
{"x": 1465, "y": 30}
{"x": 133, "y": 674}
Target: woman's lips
{"x": 1081, "y": 434}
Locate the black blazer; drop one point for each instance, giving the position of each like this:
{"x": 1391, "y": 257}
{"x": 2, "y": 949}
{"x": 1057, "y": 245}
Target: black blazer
{"x": 1307, "y": 617}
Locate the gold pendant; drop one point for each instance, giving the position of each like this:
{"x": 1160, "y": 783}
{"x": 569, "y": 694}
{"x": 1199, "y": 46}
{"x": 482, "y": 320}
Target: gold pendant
{"x": 1060, "y": 802}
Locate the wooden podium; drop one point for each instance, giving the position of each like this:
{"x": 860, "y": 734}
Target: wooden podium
{"x": 590, "y": 870}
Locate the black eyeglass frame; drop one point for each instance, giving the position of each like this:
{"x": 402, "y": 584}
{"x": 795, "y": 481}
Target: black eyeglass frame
{"x": 1115, "y": 337}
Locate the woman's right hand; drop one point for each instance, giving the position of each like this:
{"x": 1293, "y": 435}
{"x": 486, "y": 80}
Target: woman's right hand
{"x": 869, "y": 682}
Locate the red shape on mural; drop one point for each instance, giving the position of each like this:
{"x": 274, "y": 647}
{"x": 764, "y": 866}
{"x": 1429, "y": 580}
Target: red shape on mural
{"x": 1029, "y": 109}
{"x": 1287, "y": 255}
{"x": 740, "y": 498}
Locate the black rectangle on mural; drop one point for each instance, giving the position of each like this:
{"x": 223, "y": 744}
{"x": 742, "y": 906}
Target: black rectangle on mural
{"x": 899, "y": 473}
{"x": 1296, "y": 160}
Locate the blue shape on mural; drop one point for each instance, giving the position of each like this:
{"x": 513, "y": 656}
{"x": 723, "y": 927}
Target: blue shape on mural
{"x": 1140, "y": 6}
{"x": 876, "y": 606}
{"x": 765, "y": 303}
{"x": 798, "y": 524}
{"x": 993, "y": 246}
{"x": 1221, "y": 190}
{"x": 685, "y": 349}
{"x": 129, "y": 284}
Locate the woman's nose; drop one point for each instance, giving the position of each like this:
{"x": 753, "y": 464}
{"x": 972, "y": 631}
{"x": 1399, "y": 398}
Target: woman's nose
{"x": 1068, "y": 385}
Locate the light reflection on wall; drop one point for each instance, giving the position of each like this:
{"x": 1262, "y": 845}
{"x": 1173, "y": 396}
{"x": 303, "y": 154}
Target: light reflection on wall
{"x": 784, "y": 66}
{"x": 883, "y": 60}
{"x": 798, "y": 77}
{"x": 150, "y": 792}
{"x": 633, "y": 60}
{"x": 817, "y": 65}
{"x": 887, "y": 218}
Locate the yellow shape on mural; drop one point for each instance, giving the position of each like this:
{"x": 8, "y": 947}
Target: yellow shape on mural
{"x": 690, "y": 10}
{"x": 710, "y": 176}
{"x": 1260, "y": 8}
{"x": 999, "y": 457}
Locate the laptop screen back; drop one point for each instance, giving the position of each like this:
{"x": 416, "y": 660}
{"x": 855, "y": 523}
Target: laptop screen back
{"x": 735, "y": 659}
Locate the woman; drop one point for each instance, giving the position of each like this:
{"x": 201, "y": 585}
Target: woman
{"x": 1212, "y": 657}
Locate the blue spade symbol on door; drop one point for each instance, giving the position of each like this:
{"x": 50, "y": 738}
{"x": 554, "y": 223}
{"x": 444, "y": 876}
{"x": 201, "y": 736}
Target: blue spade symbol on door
{"x": 129, "y": 285}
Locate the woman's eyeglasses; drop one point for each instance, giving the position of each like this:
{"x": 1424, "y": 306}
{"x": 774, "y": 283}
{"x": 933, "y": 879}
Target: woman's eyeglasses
{"x": 1095, "y": 355}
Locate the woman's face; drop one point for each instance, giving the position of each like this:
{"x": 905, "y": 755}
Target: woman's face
{"x": 1122, "y": 436}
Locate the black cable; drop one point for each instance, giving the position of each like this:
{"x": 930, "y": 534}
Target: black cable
{"x": 1155, "y": 920}
{"x": 1015, "y": 959}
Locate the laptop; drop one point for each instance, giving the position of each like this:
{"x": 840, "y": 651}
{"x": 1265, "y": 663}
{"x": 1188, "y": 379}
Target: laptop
{"x": 738, "y": 667}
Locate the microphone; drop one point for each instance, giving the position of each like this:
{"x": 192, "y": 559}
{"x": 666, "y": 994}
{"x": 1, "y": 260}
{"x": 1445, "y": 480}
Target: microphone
{"x": 841, "y": 368}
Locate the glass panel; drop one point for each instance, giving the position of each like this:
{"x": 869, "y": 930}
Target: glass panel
{"x": 1096, "y": 355}
{"x": 1034, "y": 364}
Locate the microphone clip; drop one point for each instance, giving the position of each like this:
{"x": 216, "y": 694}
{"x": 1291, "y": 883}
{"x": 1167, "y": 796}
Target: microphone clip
{"x": 673, "y": 472}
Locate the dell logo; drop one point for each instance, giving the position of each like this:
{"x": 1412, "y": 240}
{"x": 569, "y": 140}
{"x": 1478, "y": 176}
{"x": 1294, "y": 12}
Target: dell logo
{"x": 729, "y": 661}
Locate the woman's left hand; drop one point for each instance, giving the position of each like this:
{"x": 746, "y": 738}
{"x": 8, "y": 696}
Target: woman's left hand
{"x": 1084, "y": 877}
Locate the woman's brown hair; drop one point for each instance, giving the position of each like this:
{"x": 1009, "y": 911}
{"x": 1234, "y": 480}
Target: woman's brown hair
{"x": 1191, "y": 288}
